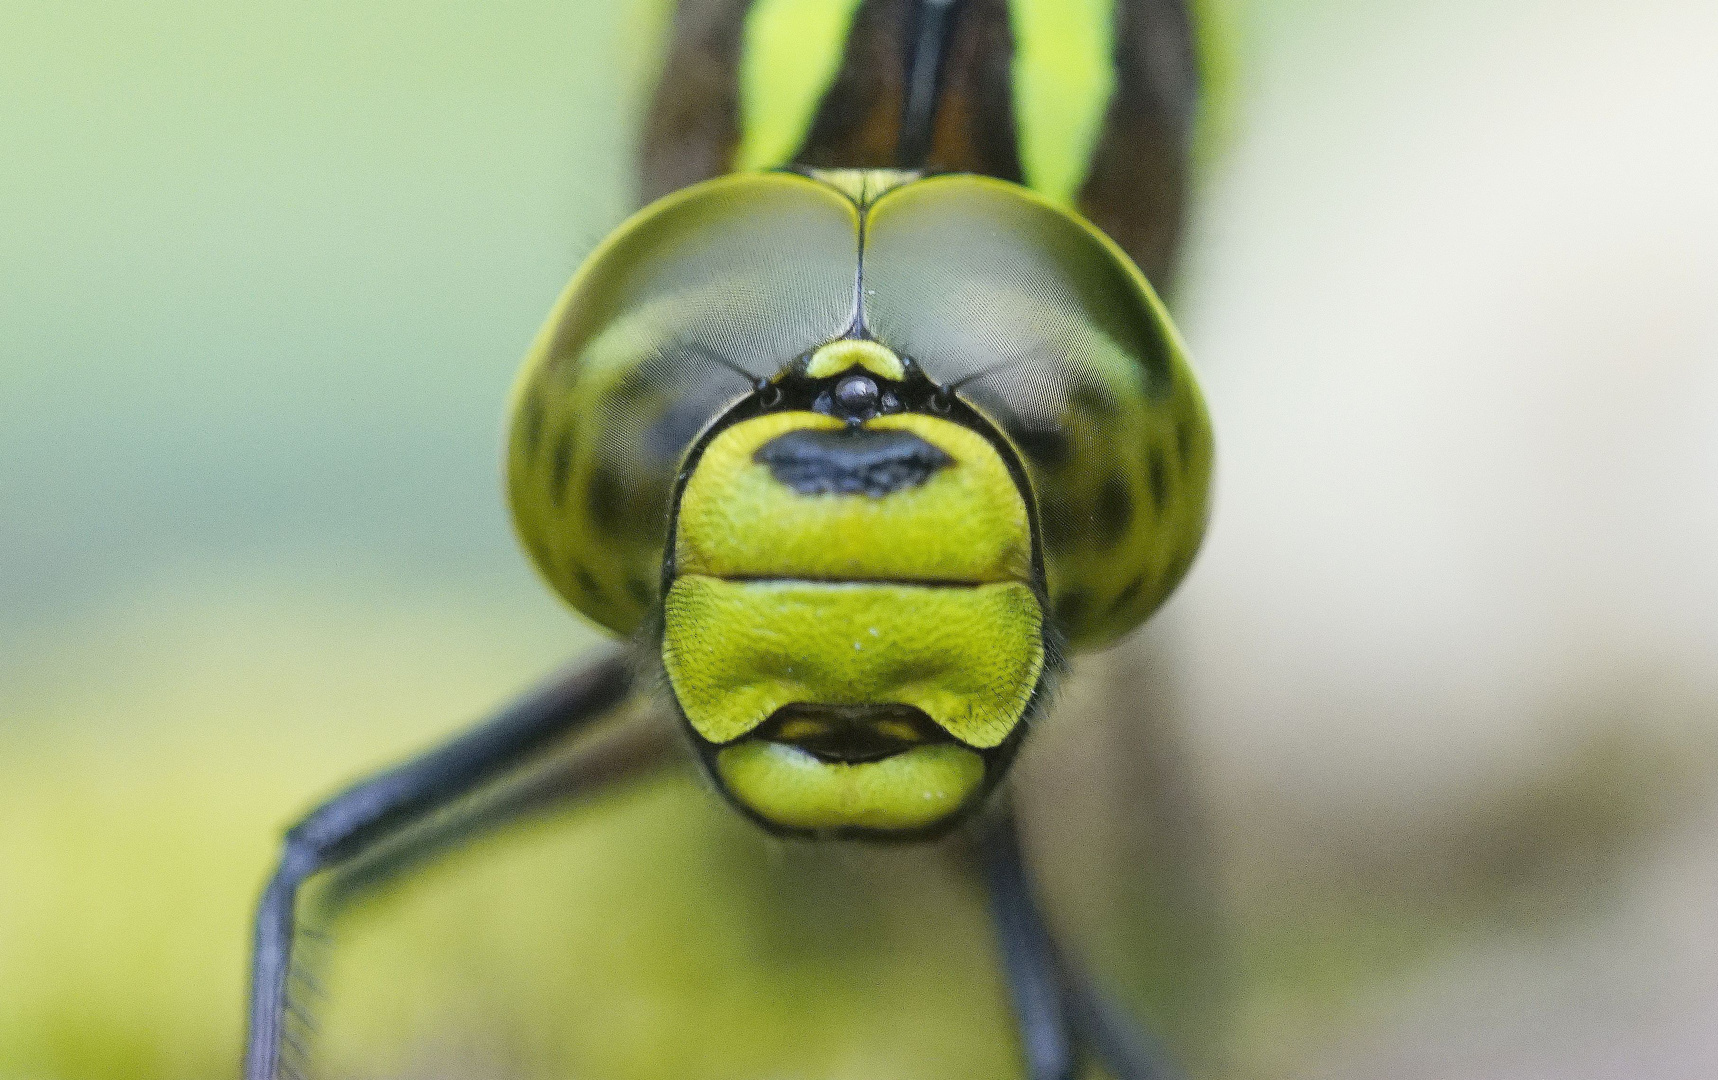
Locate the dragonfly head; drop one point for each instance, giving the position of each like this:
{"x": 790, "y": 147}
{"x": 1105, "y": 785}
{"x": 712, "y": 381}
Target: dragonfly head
{"x": 852, "y": 623}
{"x": 859, "y": 454}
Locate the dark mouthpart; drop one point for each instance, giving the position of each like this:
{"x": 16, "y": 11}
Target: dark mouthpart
{"x": 851, "y": 734}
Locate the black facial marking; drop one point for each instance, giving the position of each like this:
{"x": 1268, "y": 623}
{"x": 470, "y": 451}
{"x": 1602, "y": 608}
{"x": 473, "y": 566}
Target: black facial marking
{"x": 851, "y": 461}
{"x": 850, "y": 734}
{"x": 1114, "y": 510}
{"x": 638, "y": 590}
{"x": 560, "y": 464}
{"x": 1159, "y": 474}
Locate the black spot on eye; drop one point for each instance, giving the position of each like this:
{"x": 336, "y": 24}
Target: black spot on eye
{"x": 1046, "y": 449}
{"x": 1159, "y": 475}
{"x": 539, "y": 553}
{"x": 605, "y": 501}
{"x": 1070, "y": 606}
{"x": 679, "y": 423}
{"x": 630, "y": 390}
{"x": 531, "y": 424}
{"x": 1127, "y": 596}
{"x": 587, "y": 583}
{"x": 1114, "y": 510}
{"x": 638, "y": 590}
{"x": 560, "y": 465}
{"x": 1095, "y": 398}
{"x": 1177, "y": 568}
{"x": 1056, "y": 522}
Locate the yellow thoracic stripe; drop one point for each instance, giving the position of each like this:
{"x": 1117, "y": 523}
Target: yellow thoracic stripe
{"x": 1064, "y": 76}
{"x": 791, "y": 50}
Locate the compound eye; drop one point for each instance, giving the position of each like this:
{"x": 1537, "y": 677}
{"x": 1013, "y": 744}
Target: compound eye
{"x": 856, "y": 397}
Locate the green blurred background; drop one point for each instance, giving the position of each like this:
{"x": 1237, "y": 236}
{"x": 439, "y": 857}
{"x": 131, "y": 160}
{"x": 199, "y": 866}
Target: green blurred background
{"x": 266, "y": 273}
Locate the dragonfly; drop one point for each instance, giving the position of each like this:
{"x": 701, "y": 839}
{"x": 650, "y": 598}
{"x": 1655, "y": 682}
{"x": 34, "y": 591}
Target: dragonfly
{"x": 866, "y": 424}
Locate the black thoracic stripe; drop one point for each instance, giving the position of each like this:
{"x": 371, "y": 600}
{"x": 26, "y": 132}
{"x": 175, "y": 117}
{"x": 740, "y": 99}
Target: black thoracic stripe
{"x": 930, "y": 32}
{"x": 1136, "y": 191}
{"x": 859, "y": 122}
{"x": 694, "y": 120}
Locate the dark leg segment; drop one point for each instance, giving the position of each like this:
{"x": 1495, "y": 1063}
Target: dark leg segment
{"x": 1028, "y": 955}
{"x": 629, "y": 750}
{"x": 1127, "y": 1050}
{"x": 373, "y": 809}
{"x": 1061, "y": 1011}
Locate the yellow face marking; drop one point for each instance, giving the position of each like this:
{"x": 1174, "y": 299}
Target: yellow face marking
{"x": 898, "y": 729}
{"x": 910, "y": 790}
{"x": 966, "y": 524}
{"x": 917, "y": 596}
{"x": 737, "y": 651}
{"x": 797, "y": 730}
{"x": 839, "y": 356}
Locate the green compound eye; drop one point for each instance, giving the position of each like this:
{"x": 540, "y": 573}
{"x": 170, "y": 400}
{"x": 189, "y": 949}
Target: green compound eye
{"x": 859, "y": 442}
{"x": 1052, "y": 334}
{"x": 669, "y": 324}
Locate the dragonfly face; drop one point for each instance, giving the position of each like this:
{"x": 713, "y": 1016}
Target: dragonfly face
{"x": 862, "y": 456}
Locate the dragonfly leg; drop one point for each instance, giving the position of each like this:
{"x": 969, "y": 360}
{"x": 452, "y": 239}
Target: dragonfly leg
{"x": 1127, "y": 1050}
{"x": 628, "y": 750}
{"x": 1028, "y": 955}
{"x": 372, "y": 810}
{"x": 1060, "y": 1009}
